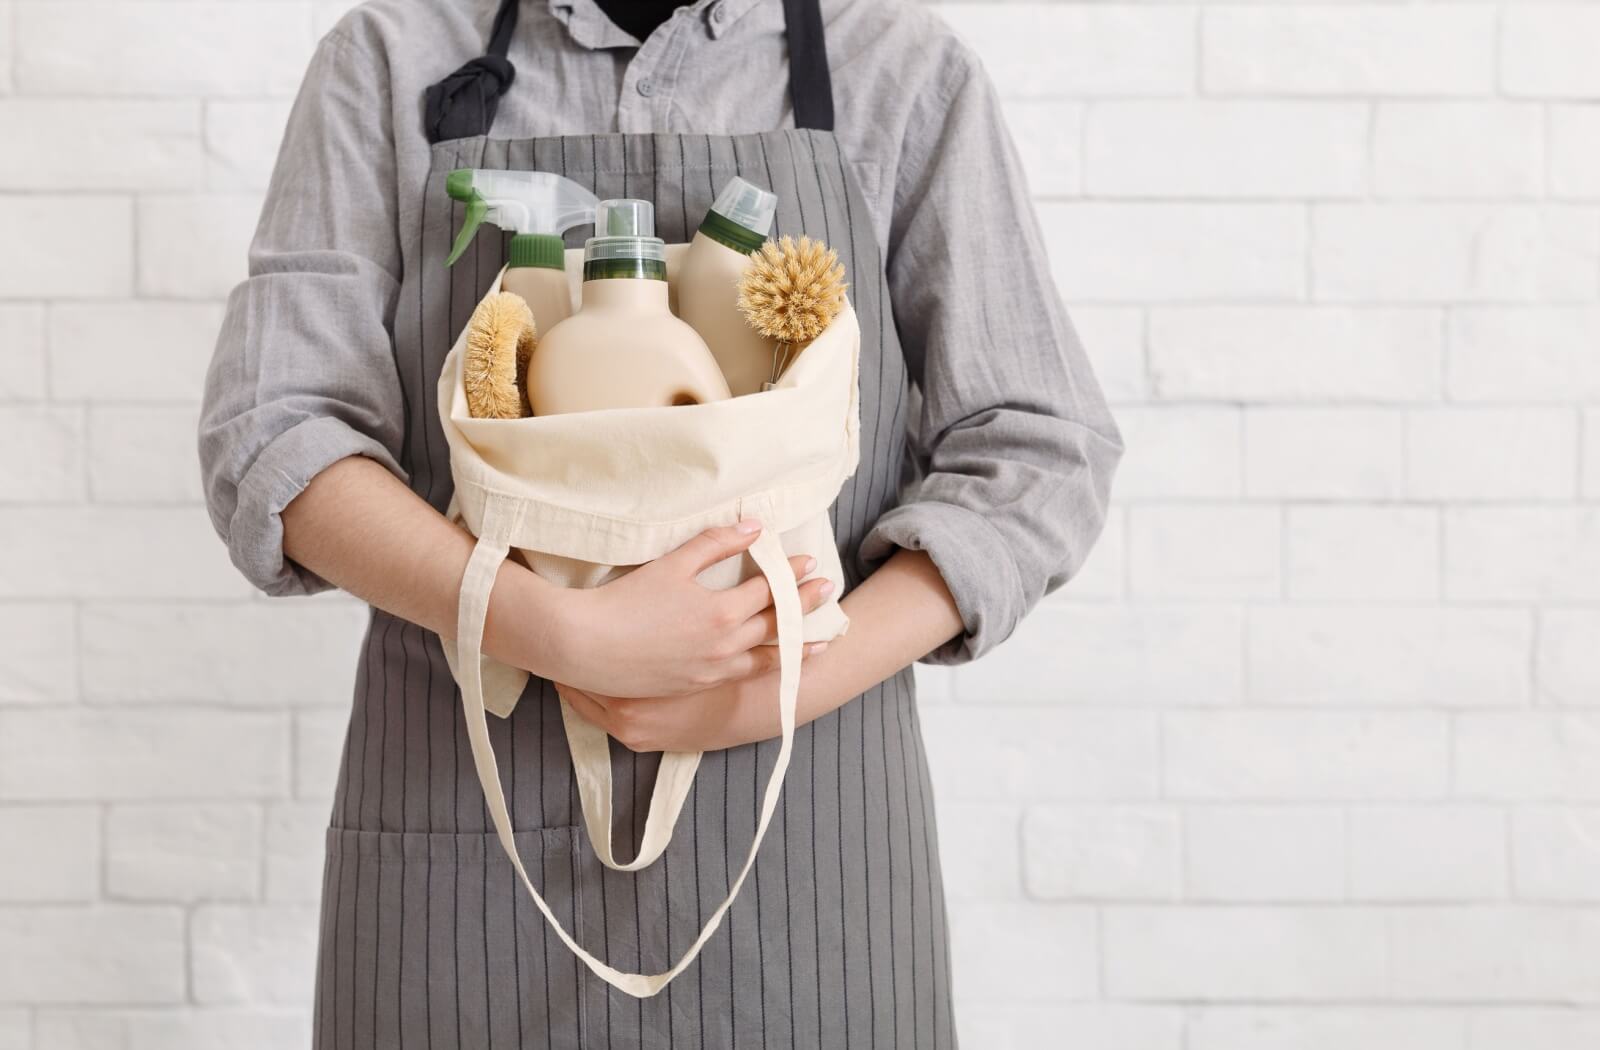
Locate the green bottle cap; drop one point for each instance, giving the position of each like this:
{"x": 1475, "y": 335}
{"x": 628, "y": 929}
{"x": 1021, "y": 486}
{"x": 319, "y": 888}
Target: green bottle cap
{"x": 740, "y": 216}
{"x": 543, "y": 250}
{"x": 625, "y": 244}
{"x": 632, "y": 268}
{"x": 730, "y": 234}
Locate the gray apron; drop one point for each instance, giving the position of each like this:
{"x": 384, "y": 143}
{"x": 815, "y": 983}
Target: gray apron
{"x": 839, "y": 937}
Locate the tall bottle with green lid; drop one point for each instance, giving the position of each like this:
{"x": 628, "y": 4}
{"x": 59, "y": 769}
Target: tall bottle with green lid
{"x": 707, "y": 284}
{"x": 537, "y": 207}
{"x": 623, "y": 348}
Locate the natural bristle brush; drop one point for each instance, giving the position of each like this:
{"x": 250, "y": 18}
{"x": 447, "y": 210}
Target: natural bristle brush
{"x": 500, "y": 342}
{"x": 791, "y": 291}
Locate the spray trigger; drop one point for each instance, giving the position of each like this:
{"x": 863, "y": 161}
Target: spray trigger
{"x": 477, "y": 208}
{"x": 529, "y": 204}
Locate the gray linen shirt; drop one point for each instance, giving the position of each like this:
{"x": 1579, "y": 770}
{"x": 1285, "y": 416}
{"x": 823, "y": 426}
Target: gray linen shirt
{"x": 1014, "y": 444}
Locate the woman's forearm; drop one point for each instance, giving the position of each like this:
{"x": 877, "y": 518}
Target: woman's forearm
{"x": 361, "y": 529}
{"x": 898, "y": 615}
{"x": 656, "y": 629}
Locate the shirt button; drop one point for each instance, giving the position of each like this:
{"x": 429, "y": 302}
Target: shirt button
{"x": 719, "y": 14}
{"x": 646, "y": 87}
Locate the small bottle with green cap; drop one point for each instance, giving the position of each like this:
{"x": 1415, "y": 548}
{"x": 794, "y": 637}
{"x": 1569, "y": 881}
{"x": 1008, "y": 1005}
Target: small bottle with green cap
{"x": 624, "y": 348}
{"x": 537, "y": 207}
{"x": 737, "y": 224}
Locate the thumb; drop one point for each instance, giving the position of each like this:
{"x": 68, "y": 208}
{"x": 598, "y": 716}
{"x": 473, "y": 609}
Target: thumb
{"x": 714, "y": 545}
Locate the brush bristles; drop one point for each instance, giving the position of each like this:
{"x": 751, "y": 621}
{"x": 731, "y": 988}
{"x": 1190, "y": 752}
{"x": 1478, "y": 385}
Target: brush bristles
{"x": 500, "y": 340}
{"x": 792, "y": 290}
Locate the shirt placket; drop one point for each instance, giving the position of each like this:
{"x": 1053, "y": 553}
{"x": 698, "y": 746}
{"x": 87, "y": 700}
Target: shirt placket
{"x": 650, "y": 79}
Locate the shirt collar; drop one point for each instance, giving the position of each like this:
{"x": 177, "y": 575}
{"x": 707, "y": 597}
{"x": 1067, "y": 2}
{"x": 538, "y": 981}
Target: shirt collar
{"x": 590, "y": 28}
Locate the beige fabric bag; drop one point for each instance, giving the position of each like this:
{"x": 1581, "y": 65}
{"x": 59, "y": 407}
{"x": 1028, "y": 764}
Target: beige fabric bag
{"x": 582, "y": 497}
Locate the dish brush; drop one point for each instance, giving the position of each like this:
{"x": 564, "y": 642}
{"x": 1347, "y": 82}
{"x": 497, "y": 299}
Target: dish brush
{"x": 500, "y": 340}
{"x": 791, "y": 291}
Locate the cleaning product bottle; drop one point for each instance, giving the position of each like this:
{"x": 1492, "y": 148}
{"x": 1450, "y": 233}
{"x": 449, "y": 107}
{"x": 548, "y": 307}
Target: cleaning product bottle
{"x": 538, "y": 207}
{"x": 736, "y": 225}
{"x": 623, "y": 348}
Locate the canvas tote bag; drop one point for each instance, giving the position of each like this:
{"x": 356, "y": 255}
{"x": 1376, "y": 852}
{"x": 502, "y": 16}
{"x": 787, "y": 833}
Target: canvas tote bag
{"x": 582, "y": 497}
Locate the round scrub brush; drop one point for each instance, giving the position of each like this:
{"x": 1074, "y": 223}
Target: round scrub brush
{"x": 500, "y": 340}
{"x": 790, "y": 292}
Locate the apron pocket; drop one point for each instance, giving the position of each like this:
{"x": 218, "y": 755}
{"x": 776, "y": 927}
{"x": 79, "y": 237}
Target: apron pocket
{"x": 429, "y": 933}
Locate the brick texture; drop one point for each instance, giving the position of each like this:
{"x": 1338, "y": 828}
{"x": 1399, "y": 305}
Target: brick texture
{"x": 1307, "y": 757}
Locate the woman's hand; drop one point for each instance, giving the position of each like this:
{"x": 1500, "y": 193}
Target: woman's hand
{"x": 897, "y": 614}
{"x": 658, "y": 632}
{"x": 724, "y": 716}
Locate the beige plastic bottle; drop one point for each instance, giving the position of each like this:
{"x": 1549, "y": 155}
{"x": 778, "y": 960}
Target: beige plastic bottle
{"x": 544, "y": 287}
{"x": 623, "y": 348}
{"x": 707, "y": 284}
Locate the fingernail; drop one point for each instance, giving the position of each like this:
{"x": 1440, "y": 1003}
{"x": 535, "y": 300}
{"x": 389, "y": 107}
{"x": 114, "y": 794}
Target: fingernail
{"x": 827, "y": 588}
{"x": 816, "y": 647}
{"x": 811, "y": 564}
{"x": 749, "y": 526}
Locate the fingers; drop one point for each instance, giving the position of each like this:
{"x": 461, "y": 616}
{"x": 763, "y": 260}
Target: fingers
{"x": 763, "y": 659}
{"x": 714, "y": 545}
{"x": 755, "y": 594}
{"x": 763, "y": 626}
{"x": 618, "y": 717}
{"x": 589, "y": 709}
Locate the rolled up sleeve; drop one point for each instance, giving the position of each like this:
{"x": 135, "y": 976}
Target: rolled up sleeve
{"x": 303, "y": 374}
{"x": 1014, "y": 447}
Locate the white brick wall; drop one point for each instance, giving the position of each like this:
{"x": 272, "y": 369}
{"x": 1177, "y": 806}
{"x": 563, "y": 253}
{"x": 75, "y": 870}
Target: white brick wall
{"x": 1365, "y": 50}
{"x": 1308, "y": 758}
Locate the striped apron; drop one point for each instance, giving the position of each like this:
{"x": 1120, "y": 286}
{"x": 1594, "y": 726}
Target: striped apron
{"x": 839, "y": 936}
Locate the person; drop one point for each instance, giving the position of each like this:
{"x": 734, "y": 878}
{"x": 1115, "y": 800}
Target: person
{"x": 987, "y": 453}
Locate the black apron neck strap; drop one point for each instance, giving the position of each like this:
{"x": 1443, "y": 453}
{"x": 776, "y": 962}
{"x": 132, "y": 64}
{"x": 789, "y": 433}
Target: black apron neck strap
{"x": 810, "y": 84}
{"x": 464, "y": 103}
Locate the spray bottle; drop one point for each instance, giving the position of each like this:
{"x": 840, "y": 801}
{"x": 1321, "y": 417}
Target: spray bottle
{"x": 736, "y": 225}
{"x": 537, "y": 207}
{"x": 623, "y": 348}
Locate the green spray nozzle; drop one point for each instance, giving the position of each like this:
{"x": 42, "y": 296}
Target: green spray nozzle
{"x": 458, "y": 184}
{"x": 537, "y": 206}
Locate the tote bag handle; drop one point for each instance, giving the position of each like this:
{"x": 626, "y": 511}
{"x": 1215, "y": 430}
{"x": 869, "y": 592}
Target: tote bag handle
{"x": 591, "y": 763}
{"x": 501, "y": 520}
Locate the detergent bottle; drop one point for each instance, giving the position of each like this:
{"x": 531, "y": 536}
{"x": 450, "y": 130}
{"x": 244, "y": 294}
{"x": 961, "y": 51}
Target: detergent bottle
{"x": 623, "y": 348}
{"x": 707, "y": 284}
{"x": 537, "y": 207}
